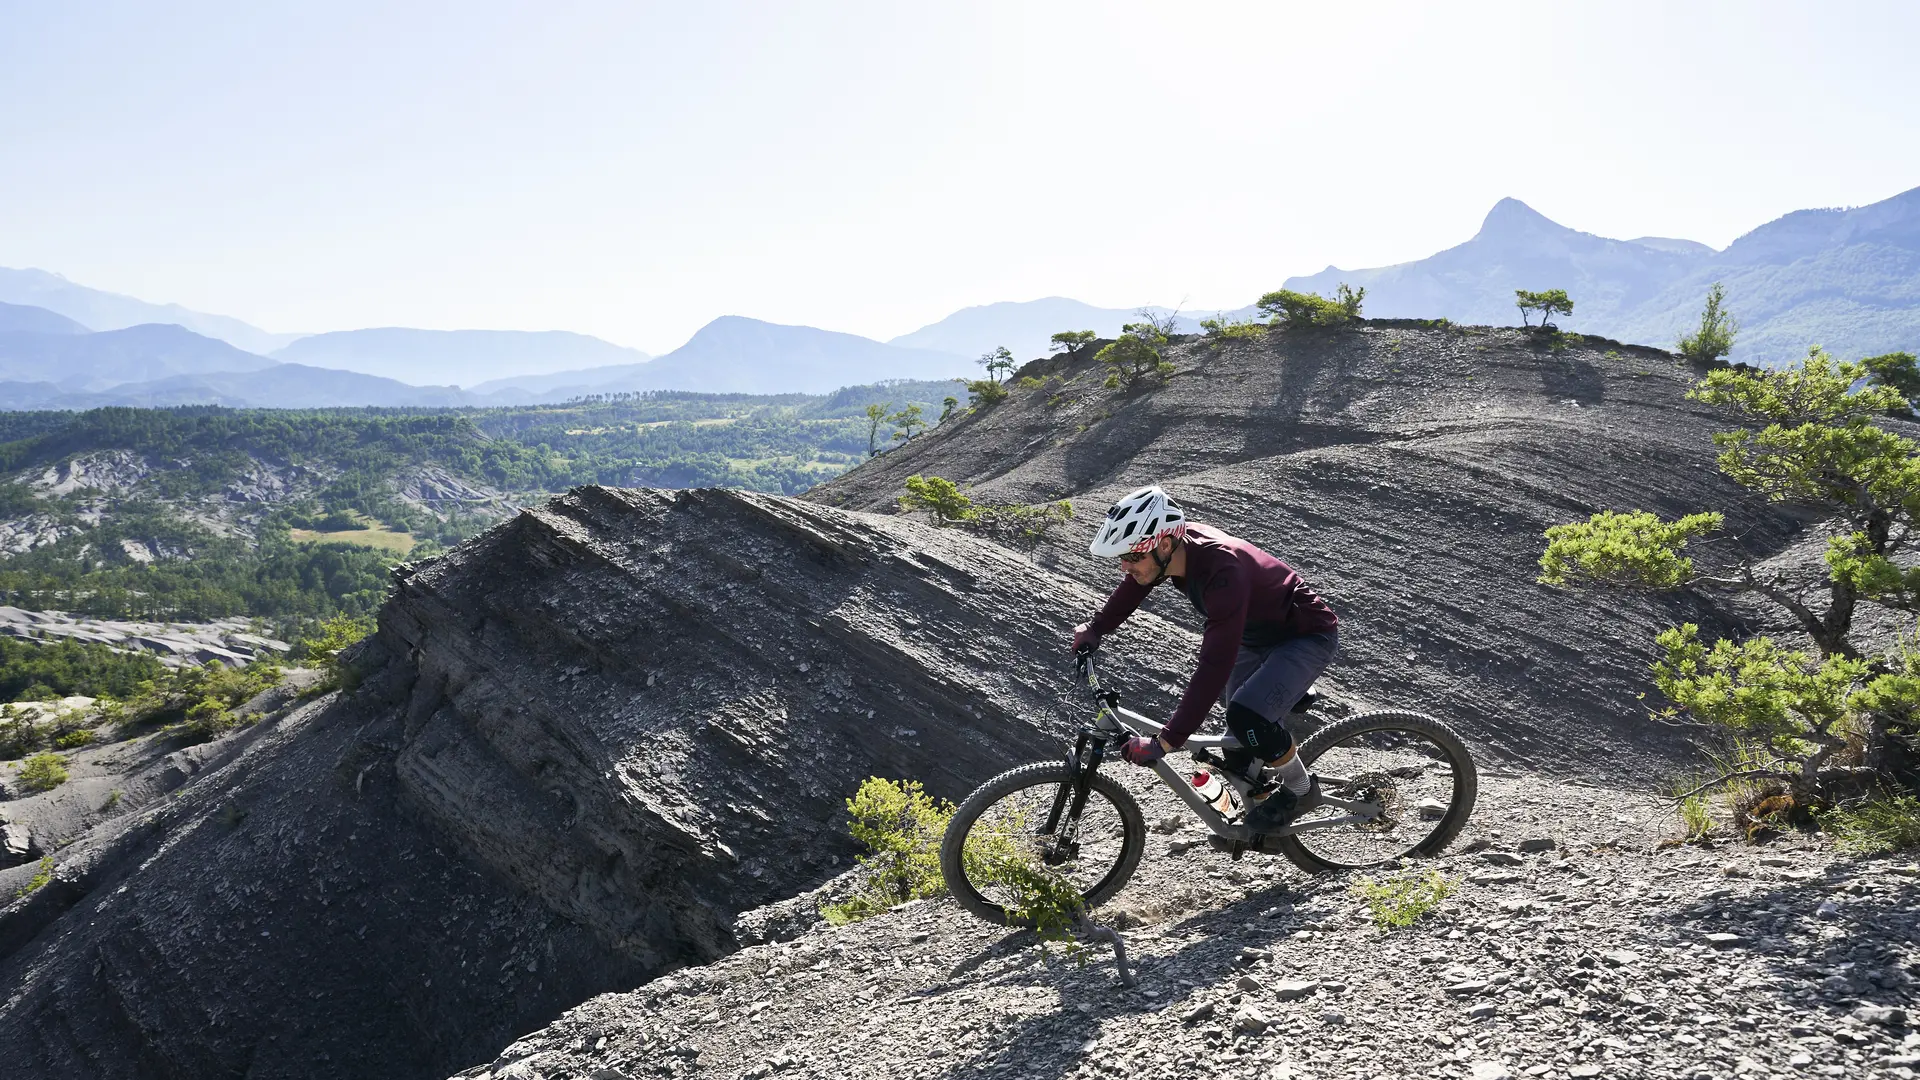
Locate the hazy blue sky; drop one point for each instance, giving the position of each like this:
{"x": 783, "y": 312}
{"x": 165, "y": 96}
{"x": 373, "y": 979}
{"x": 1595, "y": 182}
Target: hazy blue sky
{"x": 632, "y": 170}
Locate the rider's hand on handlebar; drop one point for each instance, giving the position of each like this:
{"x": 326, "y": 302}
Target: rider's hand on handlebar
{"x": 1143, "y": 751}
{"x": 1084, "y": 639}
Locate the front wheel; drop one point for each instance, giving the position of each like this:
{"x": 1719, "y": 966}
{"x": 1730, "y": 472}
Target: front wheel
{"x": 1411, "y": 771}
{"x": 994, "y": 846}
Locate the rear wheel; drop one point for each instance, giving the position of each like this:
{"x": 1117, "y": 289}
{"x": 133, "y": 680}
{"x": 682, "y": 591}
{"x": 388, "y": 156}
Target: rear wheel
{"x": 1412, "y": 768}
{"x": 999, "y": 826}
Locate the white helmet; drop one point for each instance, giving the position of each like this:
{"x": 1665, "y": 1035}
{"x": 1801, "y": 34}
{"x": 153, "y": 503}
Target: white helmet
{"x": 1137, "y": 522}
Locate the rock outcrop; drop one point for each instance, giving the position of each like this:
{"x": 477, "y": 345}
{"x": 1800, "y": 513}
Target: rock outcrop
{"x": 578, "y": 748}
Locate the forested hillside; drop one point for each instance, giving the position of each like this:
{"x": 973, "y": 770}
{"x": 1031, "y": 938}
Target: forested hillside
{"x": 199, "y": 513}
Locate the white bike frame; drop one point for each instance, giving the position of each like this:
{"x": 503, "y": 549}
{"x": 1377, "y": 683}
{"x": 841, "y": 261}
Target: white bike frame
{"x": 1114, "y": 720}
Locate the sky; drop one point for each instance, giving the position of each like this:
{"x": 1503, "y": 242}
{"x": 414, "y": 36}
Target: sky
{"x": 633, "y": 170}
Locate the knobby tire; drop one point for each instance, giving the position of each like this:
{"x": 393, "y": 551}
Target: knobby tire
{"x": 1049, "y": 774}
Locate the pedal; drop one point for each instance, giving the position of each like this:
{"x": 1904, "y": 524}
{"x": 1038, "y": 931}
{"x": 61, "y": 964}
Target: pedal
{"x": 1231, "y": 848}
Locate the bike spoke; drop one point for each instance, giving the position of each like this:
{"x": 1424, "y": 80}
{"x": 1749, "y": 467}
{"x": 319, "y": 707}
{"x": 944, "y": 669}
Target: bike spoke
{"x": 1401, "y": 780}
{"x": 1011, "y": 829}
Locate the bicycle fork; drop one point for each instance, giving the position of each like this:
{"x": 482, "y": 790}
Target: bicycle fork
{"x": 1063, "y": 820}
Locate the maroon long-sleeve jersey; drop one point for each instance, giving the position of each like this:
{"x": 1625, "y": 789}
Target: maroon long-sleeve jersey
{"x": 1246, "y": 596}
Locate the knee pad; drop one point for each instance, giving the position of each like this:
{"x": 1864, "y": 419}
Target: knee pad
{"x": 1268, "y": 739}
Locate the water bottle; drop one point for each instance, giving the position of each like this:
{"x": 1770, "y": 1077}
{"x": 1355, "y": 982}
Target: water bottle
{"x": 1215, "y": 791}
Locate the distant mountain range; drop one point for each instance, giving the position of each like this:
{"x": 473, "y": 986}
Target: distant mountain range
{"x": 1846, "y": 279}
{"x": 462, "y": 357}
{"x": 98, "y": 310}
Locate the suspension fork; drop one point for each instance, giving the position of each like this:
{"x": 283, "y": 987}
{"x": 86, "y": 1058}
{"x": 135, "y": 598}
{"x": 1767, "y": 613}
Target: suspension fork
{"x": 1070, "y": 799}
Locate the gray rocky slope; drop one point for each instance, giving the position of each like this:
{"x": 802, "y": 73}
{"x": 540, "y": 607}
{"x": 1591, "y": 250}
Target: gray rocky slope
{"x": 1408, "y": 473}
{"x": 583, "y": 745}
{"x": 579, "y": 747}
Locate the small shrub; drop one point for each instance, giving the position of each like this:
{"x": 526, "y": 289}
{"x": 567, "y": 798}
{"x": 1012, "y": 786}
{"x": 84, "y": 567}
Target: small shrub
{"x": 901, "y": 826}
{"x": 1890, "y": 823}
{"x": 1013, "y": 523}
{"x": 999, "y": 364}
{"x": 1001, "y": 854}
{"x": 907, "y": 421}
{"x": 19, "y": 735}
{"x": 73, "y": 740}
{"x": 1397, "y": 903}
{"x": 947, "y": 406}
{"x": 113, "y": 799}
{"x": 1298, "y": 310}
{"x": 208, "y": 718}
{"x": 1221, "y": 330}
{"x": 939, "y": 497}
{"x": 1071, "y": 341}
{"x": 1713, "y": 338}
{"x": 1549, "y": 303}
{"x": 1135, "y": 354}
{"x": 1028, "y": 382}
{"x": 42, "y": 876}
{"x": 986, "y": 393}
{"x": 43, "y": 772}
{"x": 1690, "y": 802}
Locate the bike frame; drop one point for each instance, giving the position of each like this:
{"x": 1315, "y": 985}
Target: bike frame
{"x": 1113, "y": 723}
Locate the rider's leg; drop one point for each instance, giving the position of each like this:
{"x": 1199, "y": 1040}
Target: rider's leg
{"x": 1263, "y": 699}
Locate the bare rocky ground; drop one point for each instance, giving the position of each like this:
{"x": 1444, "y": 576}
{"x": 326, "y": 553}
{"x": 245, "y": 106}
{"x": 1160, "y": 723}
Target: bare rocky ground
{"x": 230, "y": 641}
{"x": 1613, "y": 953}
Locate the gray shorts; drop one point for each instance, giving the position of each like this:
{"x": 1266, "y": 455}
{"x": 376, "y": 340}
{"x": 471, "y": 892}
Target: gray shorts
{"x": 1270, "y": 681}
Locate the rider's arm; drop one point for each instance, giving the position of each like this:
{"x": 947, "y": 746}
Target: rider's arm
{"x": 1226, "y": 602}
{"x": 1121, "y": 604}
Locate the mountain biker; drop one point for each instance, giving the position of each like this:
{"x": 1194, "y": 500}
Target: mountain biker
{"x": 1267, "y": 637}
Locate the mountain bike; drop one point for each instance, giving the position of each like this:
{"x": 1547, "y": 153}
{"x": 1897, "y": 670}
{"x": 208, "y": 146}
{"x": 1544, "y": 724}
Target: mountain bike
{"x": 1386, "y": 785}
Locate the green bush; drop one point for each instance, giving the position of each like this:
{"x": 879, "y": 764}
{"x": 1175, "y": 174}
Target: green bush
{"x": 1889, "y": 823}
{"x": 1399, "y": 902}
{"x": 1013, "y": 523}
{"x": 43, "y": 772}
{"x": 986, "y": 393}
{"x": 42, "y": 876}
{"x": 1071, "y": 341}
{"x": 1001, "y": 854}
{"x": 1223, "y": 330}
{"x": 901, "y": 826}
{"x": 1135, "y": 354}
{"x": 1298, "y": 310}
{"x": 938, "y": 496}
{"x": 1813, "y": 727}
{"x": 1548, "y": 304}
{"x": 73, "y": 740}
{"x": 1713, "y": 338}
{"x": 19, "y": 735}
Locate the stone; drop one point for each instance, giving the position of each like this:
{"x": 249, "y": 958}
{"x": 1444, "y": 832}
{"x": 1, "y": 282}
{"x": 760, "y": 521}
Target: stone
{"x": 1492, "y": 879}
{"x": 1332, "y": 1018}
{"x": 1828, "y": 910}
{"x": 1467, "y": 989}
{"x": 1250, "y": 1020}
{"x": 1294, "y": 990}
{"x": 1430, "y": 809}
{"x": 1537, "y": 845}
{"x": 1483, "y": 1011}
{"x": 1202, "y": 1011}
{"x": 1724, "y": 940}
{"x": 1582, "y": 1071}
{"x": 1883, "y": 1016}
{"x": 1248, "y": 984}
{"x": 1621, "y": 957}
{"x": 1502, "y": 858}
{"x": 1489, "y": 1070}
{"x": 1250, "y": 956}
